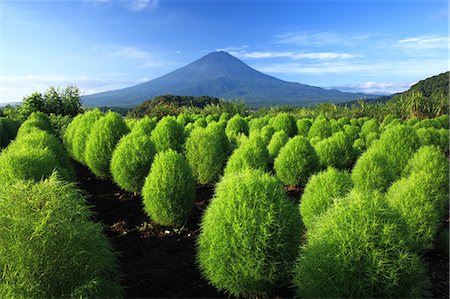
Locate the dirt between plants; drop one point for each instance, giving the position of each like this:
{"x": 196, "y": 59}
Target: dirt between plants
{"x": 160, "y": 262}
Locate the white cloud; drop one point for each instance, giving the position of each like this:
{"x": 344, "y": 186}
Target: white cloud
{"x": 424, "y": 42}
{"x": 145, "y": 59}
{"x": 376, "y": 87}
{"x": 140, "y": 5}
{"x": 292, "y": 55}
{"x": 232, "y": 49}
{"x": 319, "y": 38}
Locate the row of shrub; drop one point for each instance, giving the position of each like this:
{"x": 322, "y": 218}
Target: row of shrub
{"x": 49, "y": 247}
{"x": 8, "y": 130}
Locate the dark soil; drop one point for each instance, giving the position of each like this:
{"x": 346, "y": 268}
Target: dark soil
{"x": 159, "y": 261}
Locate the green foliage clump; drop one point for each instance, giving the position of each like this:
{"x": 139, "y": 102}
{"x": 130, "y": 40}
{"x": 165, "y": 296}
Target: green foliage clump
{"x": 235, "y": 125}
{"x": 206, "y": 153}
{"x": 352, "y": 131}
{"x": 320, "y": 128}
{"x": 303, "y": 126}
{"x": 388, "y": 119}
{"x": 249, "y": 236}
{"x": 183, "y": 119}
{"x": 8, "y": 130}
{"x": 444, "y": 137}
{"x": 251, "y": 154}
{"x": 55, "y": 251}
{"x": 256, "y": 124}
{"x": 69, "y": 133}
{"x": 285, "y": 122}
{"x": 277, "y": 141}
{"x": 168, "y": 134}
{"x": 370, "y": 138}
{"x": 201, "y": 122}
{"x": 336, "y": 151}
{"x": 130, "y": 122}
{"x": 370, "y": 126}
{"x": 131, "y": 161}
{"x": 429, "y": 136}
{"x": 356, "y": 250}
{"x": 321, "y": 191}
{"x": 102, "y": 141}
{"x": 444, "y": 119}
{"x": 82, "y": 131}
{"x": 428, "y": 123}
{"x": 266, "y": 133}
{"x": 296, "y": 162}
{"x": 146, "y": 125}
{"x": 169, "y": 189}
{"x": 373, "y": 171}
{"x": 36, "y": 120}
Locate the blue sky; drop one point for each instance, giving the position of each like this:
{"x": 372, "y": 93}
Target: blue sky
{"x": 370, "y": 46}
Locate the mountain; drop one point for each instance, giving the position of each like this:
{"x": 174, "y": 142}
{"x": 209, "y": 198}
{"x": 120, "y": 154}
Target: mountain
{"x": 221, "y": 75}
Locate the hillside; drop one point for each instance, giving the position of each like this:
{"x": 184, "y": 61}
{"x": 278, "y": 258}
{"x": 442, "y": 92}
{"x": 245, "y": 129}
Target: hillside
{"x": 221, "y": 75}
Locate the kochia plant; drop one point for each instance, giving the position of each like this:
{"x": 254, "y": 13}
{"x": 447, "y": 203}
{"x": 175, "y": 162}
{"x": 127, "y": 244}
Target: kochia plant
{"x": 131, "y": 160}
{"x": 235, "y": 125}
{"x": 82, "y": 132}
{"x": 303, "y": 126}
{"x": 251, "y": 154}
{"x": 168, "y": 134}
{"x": 277, "y": 141}
{"x": 102, "y": 140}
{"x": 336, "y": 151}
{"x": 285, "y": 122}
{"x": 296, "y": 162}
{"x": 169, "y": 189}
{"x": 250, "y": 235}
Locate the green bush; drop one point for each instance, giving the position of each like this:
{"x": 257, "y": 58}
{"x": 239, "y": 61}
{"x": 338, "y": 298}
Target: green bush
{"x": 388, "y": 119}
{"x": 36, "y": 120}
{"x": 303, "y": 126}
{"x": 183, "y": 119}
{"x": 266, "y": 133}
{"x": 251, "y": 154}
{"x": 285, "y": 122}
{"x": 256, "y": 124}
{"x": 201, "y": 122}
{"x": 69, "y": 133}
{"x": 236, "y": 125}
{"x": 130, "y": 122}
{"x": 356, "y": 250}
{"x": 249, "y": 236}
{"x": 444, "y": 120}
{"x": 296, "y": 162}
{"x": 131, "y": 161}
{"x": 370, "y": 126}
{"x": 428, "y": 123}
{"x": 412, "y": 121}
{"x": 82, "y": 133}
{"x": 55, "y": 251}
{"x": 145, "y": 125}
{"x": 352, "y": 131}
{"x": 321, "y": 191}
{"x": 277, "y": 141}
{"x": 370, "y": 138}
{"x": 11, "y": 126}
{"x": 168, "y": 134}
{"x": 169, "y": 189}
{"x": 336, "y": 151}
{"x": 373, "y": 171}
{"x": 211, "y": 117}
{"x": 102, "y": 140}
{"x": 320, "y": 128}
{"x": 429, "y": 136}
{"x": 444, "y": 140}
{"x": 206, "y": 153}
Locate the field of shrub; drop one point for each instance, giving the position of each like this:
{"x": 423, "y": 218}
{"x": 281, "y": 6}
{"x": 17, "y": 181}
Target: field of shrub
{"x": 302, "y": 207}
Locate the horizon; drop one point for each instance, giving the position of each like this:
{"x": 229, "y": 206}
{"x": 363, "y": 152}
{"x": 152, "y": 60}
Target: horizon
{"x": 381, "y": 47}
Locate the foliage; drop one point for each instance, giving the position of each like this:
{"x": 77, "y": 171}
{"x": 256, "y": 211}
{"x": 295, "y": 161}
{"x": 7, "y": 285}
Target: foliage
{"x": 101, "y": 142}
{"x": 256, "y": 124}
{"x": 356, "y": 250}
{"x": 8, "y": 130}
{"x": 59, "y": 123}
{"x": 320, "y": 128}
{"x": 168, "y": 134}
{"x": 131, "y": 161}
{"x": 235, "y": 125}
{"x": 55, "y": 251}
{"x": 251, "y": 154}
{"x": 146, "y": 125}
{"x": 82, "y": 129}
{"x": 336, "y": 151}
{"x": 35, "y": 120}
{"x": 370, "y": 126}
{"x": 249, "y": 236}
{"x": 277, "y": 141}
{"x": 285, "y": 122}
{"x": 303, "y": 126}
{"x": 169, "y": 189}
{"x": 296, "y": 161}
{"x": 206, "y": 153}
{"x": 321, "y": 191}
{"x": 429, "y": 136}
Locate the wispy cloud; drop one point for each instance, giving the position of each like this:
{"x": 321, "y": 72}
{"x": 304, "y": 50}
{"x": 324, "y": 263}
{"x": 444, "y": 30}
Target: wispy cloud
{"x": 233, "y": 49}
{"x": 146, "y": 59}
{"x": 293, "y": 55}
{"x": 319, "y": 38}
{"x": 376, "y": 87}
{"x": 424, "y": 42}
{"x": 140, "y": 5}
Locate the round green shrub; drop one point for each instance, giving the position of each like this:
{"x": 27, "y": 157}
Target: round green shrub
{"x": 250, "y": 235}
{"x": 277, "y": 141}
{"x": 359, "y": 145}
{"x": 131, "y": 161}
{"x": 444, "y": 120}
{"x": 36, "y": 120}
{"x": 69, "y": 133}
{"x": 102, "y": 140}
{"x": 296, "y": 162}
{"x": 444, "y": 140}
{"x": 82, "y": 132}
{"x": 393, "y": 123}
{"x": 256, "y": 124}
{"x": 27, "y": 163}
{"x": 266, "y": 133}
{"x": 321, "y": 191}
{"x": 169, "y": 189}
{"x": 11, "y": 126}
{"x": 335, "y": 126}
{"x": 373, "y": 171}
{"x": 429, "y": 136}
{"x": 320, "y": 128}
{"x": 336, "y": 151}
{"x": 145, "y": 125}
{"x": 370, "y": 138}
{"x": 211, "y": 117}
{"x": 130, "y": 122}
{"x": 183, "y": 119}
{"x": 398, "y": 144}
{"x": 251, "y": 154}
{"x": 303, "y": 126}
{"x": 352, "y": 131}
{"x": 225, "y": 116}
{"x": 168, "y": 134}
{"x": 55, "y": 251}
{"x": 420, "y": 210}
{"x": 206, "y": 154}
{"x": 356, "y": 250}
{"x": 370, "y": 126}
{"x": 201, "y": 122}
{"x": 412, "y": 121}
{"x": 388, "y": 119}
{"x": 236, "y": 125}
{"x": 4, "y": 138}
{"x": 428, "y": 123}
{"x": 285, "y": 122}
{"x": 354, "y": 122}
